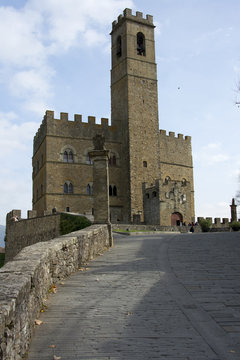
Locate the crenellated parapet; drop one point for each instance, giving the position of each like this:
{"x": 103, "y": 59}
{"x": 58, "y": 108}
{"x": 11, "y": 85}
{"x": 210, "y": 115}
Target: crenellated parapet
{"x": 175, "y": 150}
{"x": 127, "y": 14}
{"x": 171, "y": 135}
{"x": 76, "y": 128}
{"x": 216, "y": 223}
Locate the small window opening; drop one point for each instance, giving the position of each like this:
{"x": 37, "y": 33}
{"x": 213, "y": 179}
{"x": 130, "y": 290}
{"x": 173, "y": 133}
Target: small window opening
{"x": 154, "y": 194}
{"x": 110, "y": 190}
{"x": 141, "y": 44}
{"x": 184, "y": 182}
{"x": 144, "y": 163}
{"x": 167, "y": 179}
{"x": 67, "y": 209}
{"x": 119, "y": 46}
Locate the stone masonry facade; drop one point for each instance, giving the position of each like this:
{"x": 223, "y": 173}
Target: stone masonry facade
{"x": 140, "y": 156}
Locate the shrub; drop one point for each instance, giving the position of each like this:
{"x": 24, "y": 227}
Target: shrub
{"x": 70, "y": 223}
{"x": 235, "y": 225}
{"x": 205, "y": 225}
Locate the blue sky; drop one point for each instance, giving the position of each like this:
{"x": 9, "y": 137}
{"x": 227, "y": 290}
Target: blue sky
{"x": 55, "y": 54}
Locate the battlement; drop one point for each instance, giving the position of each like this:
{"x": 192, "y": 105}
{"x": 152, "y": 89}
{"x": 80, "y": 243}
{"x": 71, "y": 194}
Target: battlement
{"x": 49, "y": 115}
{"x": 171, "y": 134}
{"x": 16, "y": 215}
{"x": 64, "y": 126}
{"x": 127, "y": 14}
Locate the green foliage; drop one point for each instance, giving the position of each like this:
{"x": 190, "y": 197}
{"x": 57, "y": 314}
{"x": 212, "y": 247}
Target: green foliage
{"x": 2, "y": 258}
{"x": 205, "y": 225}
{"x": 235, "y": 225}
{"x": 70, "y": 223}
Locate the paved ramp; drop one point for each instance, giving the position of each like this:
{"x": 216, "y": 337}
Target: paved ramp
{"x": 173, "y": 297}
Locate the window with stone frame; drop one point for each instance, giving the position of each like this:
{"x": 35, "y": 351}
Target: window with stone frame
{"x": 68, "y": 188}
{"x": 141, "y": 49}
{"x": 68, "y": 156}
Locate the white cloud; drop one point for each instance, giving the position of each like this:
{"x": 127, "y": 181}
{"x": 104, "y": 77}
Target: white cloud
{"x": 15, "y": 138}
{"x": 19, "y": 40}
{"x": 15, "y": 171}
{"x": 40, "y": 29}
{"x": 211, "y": 154}
{"x": 218, "y": 209}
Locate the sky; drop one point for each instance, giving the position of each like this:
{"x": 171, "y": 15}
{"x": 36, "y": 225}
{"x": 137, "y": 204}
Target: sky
{"x": 55, "y": 55}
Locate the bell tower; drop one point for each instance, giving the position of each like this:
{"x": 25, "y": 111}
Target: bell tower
{"x": 134, "y": 104}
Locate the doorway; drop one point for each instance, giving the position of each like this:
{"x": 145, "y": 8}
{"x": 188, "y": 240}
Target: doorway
{"x": 176, "y": 219}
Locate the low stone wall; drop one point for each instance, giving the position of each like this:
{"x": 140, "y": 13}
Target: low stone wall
{"x": 25, "y": 232}
{"x": 136, "y": 227}
{"x": 25, "y": 282}
{"x": 181, "y": 229}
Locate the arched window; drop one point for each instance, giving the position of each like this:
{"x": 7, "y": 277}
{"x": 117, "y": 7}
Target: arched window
{"x": 119, "y": 46}
{"x": 65, "y": 156}
{"x": 154, "y": 194}
{"x": 167, "y": 179}
{"x": 68, "y": 154}
{"x": 184, "y": 182}
{"x": 70, "y": 157}
{"x": 65, "y": 188}
{"x": 141, "y": 44}
{"x": 70, "y": 188}
{"x": 114, "y": 190}
{"x": 89, "y": 189}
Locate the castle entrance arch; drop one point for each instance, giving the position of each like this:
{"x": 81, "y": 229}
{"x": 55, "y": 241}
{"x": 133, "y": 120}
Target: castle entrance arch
{"x": 176, "y": 219}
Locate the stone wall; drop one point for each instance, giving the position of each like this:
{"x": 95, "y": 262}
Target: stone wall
{"x": 25, "y": 232}
{"x": 25, "y": 282}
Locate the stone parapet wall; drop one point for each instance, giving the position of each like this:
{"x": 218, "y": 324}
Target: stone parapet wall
{"x": 25, "y": 232}
{"x": 25, "y": 282}
{"x": 217, "y": 224}
{"x": 133, "y": 227}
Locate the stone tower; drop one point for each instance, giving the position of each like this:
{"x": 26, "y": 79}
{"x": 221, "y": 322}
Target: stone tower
{"x": 134, "y": 103}
{"x": 150, "y": 171}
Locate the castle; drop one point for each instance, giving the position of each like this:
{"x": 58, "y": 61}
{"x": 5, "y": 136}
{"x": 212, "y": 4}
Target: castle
{"x": 150, "y": 171}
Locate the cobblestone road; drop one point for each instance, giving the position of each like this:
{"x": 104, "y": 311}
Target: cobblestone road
{"x": 174, "y": 297}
